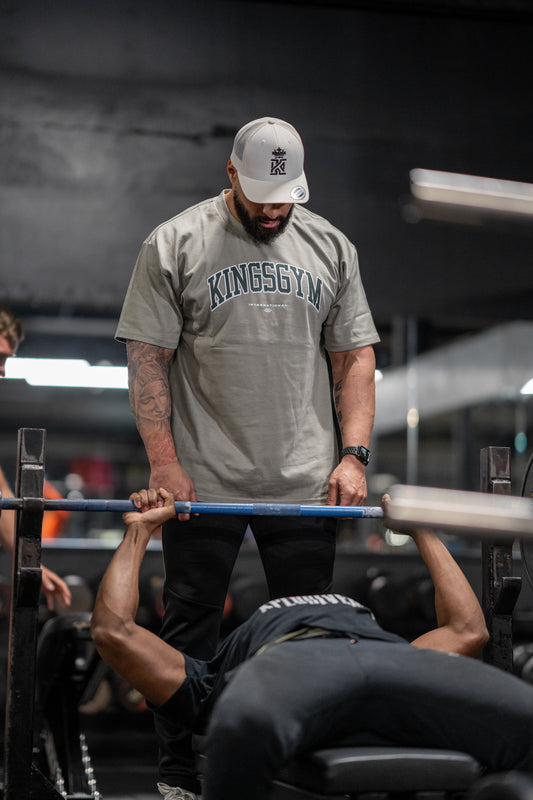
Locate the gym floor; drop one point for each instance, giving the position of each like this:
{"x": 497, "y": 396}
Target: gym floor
{"x": 124, "y": 762}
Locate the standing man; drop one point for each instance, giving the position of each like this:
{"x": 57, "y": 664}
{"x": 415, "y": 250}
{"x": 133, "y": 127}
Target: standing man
{"x": 52, "y": 585}
{"x": 231, "y": 314}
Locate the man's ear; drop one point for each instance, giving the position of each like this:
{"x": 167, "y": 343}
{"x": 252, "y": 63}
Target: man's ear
{"x": 232, "y": 172}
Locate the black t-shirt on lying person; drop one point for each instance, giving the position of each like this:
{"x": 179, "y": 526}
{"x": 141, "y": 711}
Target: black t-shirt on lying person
{"x": 343, "y": 616}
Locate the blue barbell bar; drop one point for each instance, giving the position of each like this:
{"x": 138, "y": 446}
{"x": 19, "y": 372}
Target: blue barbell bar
{"x": 182, "y": 507}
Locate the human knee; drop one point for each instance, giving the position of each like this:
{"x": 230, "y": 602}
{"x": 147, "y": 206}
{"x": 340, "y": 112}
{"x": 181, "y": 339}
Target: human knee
{"x": 243, "y": 752}
{"x": 242, "y": 715}
{"x": 243, "y": 723}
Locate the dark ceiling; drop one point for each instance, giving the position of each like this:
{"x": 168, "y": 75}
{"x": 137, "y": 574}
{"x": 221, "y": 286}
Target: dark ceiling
{"x": 485, "y": 9}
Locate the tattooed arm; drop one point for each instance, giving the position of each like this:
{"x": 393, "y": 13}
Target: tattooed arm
{"x": 354, "y": 390}
{"x": 152, "y": 407}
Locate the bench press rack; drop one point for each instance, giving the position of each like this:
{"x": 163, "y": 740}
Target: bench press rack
{"x": 64, "y": 757}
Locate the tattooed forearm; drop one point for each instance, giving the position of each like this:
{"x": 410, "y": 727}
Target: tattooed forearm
{"x": 148, "y": 385}
{"x": 162, "y": 450}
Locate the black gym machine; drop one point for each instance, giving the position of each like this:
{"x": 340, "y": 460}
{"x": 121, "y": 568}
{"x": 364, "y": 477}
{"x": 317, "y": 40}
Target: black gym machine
{"x": 52, "y": 672}
{"x": 45, "y": 755}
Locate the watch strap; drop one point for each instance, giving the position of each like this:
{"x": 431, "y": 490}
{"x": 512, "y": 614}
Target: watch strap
{"x": 360, "y": 452}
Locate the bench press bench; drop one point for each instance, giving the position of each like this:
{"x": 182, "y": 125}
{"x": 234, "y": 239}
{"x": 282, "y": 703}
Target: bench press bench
{"x": 351, "y": 770}
{"x": 336, "y": 772}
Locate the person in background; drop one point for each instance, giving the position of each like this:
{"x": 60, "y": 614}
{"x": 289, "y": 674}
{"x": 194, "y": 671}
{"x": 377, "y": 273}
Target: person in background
{"x": 56, "y": 520}
{"x": 235, "y": 311}
{"x": 52, "y": 585}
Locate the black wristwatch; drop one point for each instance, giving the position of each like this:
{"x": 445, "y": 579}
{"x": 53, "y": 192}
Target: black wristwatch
{"x": 360, "y": 452}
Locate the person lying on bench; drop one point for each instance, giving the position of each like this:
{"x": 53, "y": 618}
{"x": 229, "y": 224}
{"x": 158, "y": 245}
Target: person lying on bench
{"x": 305, "y": 671}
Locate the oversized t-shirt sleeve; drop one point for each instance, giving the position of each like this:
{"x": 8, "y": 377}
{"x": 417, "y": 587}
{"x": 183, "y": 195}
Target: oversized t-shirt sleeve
{"x": 151, "y": 311}
{"x": 349, "y": 324}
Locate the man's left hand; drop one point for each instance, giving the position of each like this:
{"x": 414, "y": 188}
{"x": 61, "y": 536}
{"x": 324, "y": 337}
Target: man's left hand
{"x": 347, "y": 484}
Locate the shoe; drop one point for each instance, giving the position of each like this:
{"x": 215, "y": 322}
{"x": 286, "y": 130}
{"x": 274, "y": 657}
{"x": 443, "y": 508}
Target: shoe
{"x": 176, "y": 793}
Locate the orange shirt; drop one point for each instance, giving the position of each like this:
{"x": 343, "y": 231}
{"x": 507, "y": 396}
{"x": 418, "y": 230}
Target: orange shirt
{"x": 53, "y": 521}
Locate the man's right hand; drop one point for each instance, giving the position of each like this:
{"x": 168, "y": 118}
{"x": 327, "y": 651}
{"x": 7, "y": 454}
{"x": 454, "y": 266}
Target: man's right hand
{"x": 177, "y": 481}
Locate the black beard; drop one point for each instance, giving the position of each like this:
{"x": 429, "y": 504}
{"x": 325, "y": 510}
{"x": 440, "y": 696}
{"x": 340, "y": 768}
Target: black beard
{"x": 253, "y": 227}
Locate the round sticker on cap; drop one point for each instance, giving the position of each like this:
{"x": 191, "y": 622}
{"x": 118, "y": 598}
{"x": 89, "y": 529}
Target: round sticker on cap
{"x": 298, "y": 193}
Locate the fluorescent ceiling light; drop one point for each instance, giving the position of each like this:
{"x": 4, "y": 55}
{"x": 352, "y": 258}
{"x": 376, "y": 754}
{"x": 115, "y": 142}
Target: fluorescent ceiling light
{"x": 72, "y": 373}
{"x": 470, "y": 190}
{"x": 527, "y": 388}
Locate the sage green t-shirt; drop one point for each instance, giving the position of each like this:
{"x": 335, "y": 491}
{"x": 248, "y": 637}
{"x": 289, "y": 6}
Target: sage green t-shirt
{"x": 251, "y": 400}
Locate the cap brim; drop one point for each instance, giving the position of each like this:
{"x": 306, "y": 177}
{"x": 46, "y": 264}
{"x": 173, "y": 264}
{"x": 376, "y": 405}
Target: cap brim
{"x": 294, "y": 191}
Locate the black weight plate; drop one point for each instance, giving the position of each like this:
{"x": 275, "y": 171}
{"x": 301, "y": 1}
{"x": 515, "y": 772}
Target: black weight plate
{"x": 526, "y": 547}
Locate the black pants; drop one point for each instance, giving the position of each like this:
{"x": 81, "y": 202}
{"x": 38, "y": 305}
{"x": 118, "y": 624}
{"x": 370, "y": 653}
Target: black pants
{"x": 298, "y": 695}
{"x": 297, "y": 555}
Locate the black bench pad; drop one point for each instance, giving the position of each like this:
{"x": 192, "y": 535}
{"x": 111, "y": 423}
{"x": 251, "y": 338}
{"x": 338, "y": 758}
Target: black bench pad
{"x": 381, "y": 769}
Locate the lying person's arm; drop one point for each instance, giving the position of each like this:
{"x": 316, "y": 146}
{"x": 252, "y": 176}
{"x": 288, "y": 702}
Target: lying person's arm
{"x": 153, "y": 667}
{"x": 461, "y": 624}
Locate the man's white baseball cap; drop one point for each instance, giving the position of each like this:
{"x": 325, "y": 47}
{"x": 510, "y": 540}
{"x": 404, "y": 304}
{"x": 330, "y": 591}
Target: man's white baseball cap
{"x": 268, "y": 155}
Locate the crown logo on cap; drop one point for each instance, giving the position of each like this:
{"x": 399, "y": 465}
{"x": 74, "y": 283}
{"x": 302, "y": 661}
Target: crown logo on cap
{"x": 279, "y": 152}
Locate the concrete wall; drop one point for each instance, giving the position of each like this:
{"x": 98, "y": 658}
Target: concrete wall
{"x": 115, "y": 116}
